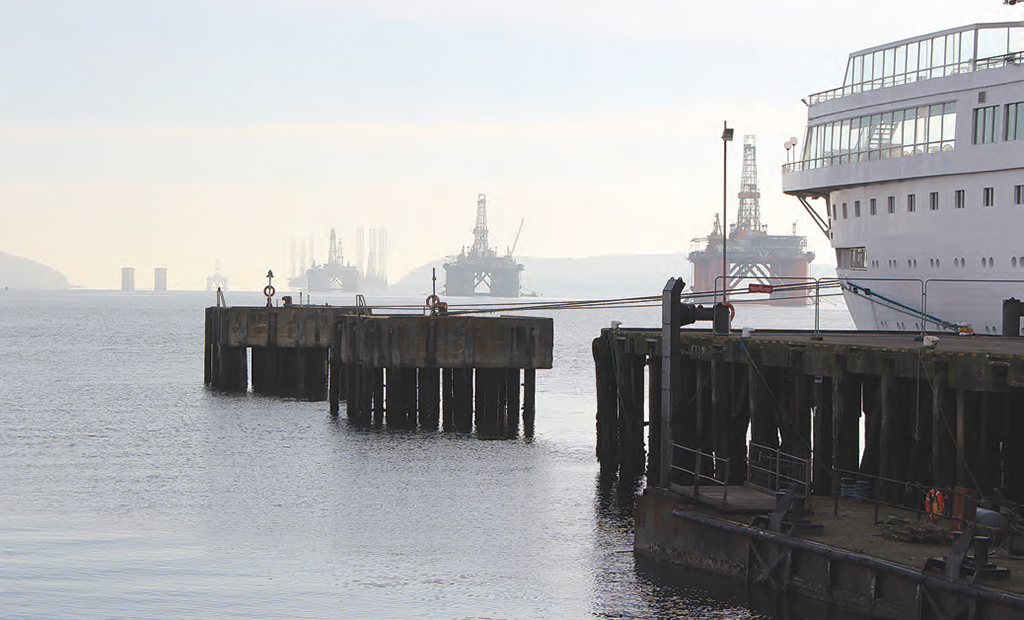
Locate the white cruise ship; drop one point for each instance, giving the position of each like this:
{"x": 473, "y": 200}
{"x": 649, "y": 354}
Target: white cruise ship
{"x": 919, "y": 158}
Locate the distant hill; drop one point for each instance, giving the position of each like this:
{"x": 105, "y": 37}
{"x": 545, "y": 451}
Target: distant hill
{"x": 23, "y": 273}
{"x": 596, "y": 277}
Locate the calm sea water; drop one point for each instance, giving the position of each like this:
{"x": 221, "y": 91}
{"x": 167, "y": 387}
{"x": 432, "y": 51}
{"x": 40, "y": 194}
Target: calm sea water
{"x": 129, "y": 490}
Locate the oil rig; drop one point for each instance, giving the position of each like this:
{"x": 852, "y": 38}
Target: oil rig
{"x": 754, "y": 256}
{"x": 481, "y": 271}
{"x": 337, "y": 275}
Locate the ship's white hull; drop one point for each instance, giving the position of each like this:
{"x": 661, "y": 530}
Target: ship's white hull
{"x": 923, "y": 180}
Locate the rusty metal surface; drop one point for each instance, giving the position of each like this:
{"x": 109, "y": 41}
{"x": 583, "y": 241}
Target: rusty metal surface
{"x": 447, "y": 341}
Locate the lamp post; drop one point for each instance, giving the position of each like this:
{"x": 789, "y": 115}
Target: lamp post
{"x": 726, "y": 138}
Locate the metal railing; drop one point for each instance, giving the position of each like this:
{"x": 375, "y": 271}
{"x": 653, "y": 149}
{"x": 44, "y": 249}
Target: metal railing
{"x": 699, "y": 456}
{"x": 773, "y": 471}
{"x": 911, "y": 496}
{"x": 918, "y": 75}
{"x": 799, "y": 280}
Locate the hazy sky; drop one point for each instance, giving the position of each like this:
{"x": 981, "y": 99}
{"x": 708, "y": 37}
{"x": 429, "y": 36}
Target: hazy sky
{"x": 182, "y": 133}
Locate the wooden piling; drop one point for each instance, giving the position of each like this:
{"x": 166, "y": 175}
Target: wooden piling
{"x": 379, "y": 402}
{"x": 607, "y": 406}
{"x": 208, "y": 343}
{"x": 846, "y": 405}
{"x": 447, "y": 400}
{"x": 462, "y": 408}
{"x": 512, "y": 387}
{"x": 529, "y": 400}
{"x": 821, "y": 468}
{"x": 429, "y": 397}
{"x": 654, "y": 417}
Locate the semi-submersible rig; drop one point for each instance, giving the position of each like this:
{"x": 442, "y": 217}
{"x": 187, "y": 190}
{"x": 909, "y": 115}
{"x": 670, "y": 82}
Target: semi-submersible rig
{"x": 481, "y": 270}
{"x": 753, "y": 256}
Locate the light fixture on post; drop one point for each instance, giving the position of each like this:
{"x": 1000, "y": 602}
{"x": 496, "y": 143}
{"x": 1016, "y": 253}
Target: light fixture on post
{"x": 726, "y": 138}
{"x": 789, "y": 144}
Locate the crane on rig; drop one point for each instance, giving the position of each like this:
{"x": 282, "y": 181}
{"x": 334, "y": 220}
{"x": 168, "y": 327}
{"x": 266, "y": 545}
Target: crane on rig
{"x": 515, "y": 242}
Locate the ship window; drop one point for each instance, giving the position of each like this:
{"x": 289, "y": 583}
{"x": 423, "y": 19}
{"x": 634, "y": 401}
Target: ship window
{"x": 892, "y": 204}
{"x": 844, "y": 210}
{"x": 851, "y": 258}
{"x": 988, "y": 196}
{"x": 895, "y": 133}
{"x": 911, "y": 203}
{"x": 873, "y": 206}
{"x": 1014, "y": 121}
{"x": 986, "y": 124}
{"x": 933, "y": 201}
{"x": 1018, "y": 194}
{"x": 959, "y": 198}
{"x": 856, "y": 208}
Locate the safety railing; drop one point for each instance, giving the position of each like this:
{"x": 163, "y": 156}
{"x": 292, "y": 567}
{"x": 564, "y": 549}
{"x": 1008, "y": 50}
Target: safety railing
{"x": 778, "y": 284}
{"x": 698, "y": 458}
{"x": 936, "y": 503}
{"x": 773, "y": 471}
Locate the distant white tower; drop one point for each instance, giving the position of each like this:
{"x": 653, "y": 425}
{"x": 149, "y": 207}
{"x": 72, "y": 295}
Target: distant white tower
{"x": 127, "y": 278}
{"x": 160, "y": 279}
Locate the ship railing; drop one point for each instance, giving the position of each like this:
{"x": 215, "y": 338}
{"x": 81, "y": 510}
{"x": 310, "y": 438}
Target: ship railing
{"x": 957, "y": 506}
{"x": 918, "y": 75}
{"x": 771, "y": 470}
{"x": 703, "y": 462}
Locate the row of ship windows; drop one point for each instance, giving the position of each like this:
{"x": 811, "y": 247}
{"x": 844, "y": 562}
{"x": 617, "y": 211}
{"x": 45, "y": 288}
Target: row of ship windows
{"x": 988, "y": 199}
{"x": 959, "y": 263}
{"x": 986, "y": 123}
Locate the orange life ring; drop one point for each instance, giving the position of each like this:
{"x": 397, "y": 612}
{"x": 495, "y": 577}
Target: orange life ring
{"x": 268, "y": 290}
{"x": 732, "y": 310}
{"x": 935, "y": 504}
{"x": 432, "y": 301}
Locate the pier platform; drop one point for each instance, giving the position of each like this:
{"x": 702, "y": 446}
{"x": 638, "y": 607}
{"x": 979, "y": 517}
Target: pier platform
{"x": 809, "y": 417}
{"x": 466, "y": 373}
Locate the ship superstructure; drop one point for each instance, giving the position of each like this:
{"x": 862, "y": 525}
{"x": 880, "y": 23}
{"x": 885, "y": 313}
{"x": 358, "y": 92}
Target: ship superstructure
{"x": 919, "y": 159}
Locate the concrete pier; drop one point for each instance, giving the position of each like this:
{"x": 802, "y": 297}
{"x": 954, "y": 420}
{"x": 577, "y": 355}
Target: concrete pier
{"x": 290, "y": 350}
{"x": 459, "y": 373}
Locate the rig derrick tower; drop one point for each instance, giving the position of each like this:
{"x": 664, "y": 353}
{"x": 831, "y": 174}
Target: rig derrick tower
{"x": 481, "y": 271}
{"x": 754, "y": 256}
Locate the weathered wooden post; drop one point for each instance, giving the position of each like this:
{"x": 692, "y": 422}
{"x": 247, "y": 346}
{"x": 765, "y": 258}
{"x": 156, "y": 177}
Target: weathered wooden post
{"x": 208, "y": 347}
{"x": 463, "y": 400}
{"x": 654, "y": 412}
{"x": 607, "y": 405}
{"x": 529, "y": 400}
{"x": 378, "y": 397}
{"x": 448, "y": 399}
{"x": 512, "y": 386}
{"x": 429, "y": 397}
